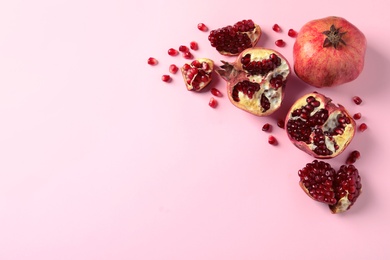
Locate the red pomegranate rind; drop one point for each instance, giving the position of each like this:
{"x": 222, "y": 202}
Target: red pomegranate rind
{"x": 347, "y": 188}
{"x": 232, "y": 40}
{"x": 197, "y": 74}
{"x": 319, "y": 127}
{"x": 256, "y": 80}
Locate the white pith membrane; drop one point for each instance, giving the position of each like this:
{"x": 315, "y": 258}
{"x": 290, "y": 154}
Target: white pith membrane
{"x": 342, "y": 140}
{"x": 273, "y": 95}
{"x": 208, "y": 72}
{"x": 341, "y": 205}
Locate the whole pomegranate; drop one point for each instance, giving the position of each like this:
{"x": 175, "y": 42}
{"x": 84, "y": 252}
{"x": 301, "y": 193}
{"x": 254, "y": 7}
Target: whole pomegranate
{"x": 197, "y": 74}
{"x": 256, "y": 80}
{"x": 329, "y": 52}
{"x": 319, "y": 127}
{"x": 337, "y": 189}
{"x": 232, "y": 40}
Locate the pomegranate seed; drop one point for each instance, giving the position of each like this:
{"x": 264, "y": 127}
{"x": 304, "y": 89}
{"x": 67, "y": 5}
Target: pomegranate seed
{"x": 362, "y": 127}
{"x": 173, "y": 52}
{"x": 352, "y": 157}
{"x": 357, "y": 100}
{"x": 152, "y": 61}
{"x": 357, "y": 116}
{"x": 183, "y": 48}
{"x": 292, "y": 33}
{"x": 216, "y": 92}
{"x": 280, "y": 123}
{"x": 173, "y": 68}
{"x": 166, "y": 78}
{"x": 272, "y": 140}
{"x": 280, "y": 43}
{"x": 202, "y": 27}
{"x": 187, "y": 55}
{"x": 194, "y": 46}
{"x": 213, "y": 102}
{"x": 276, "y": 28}
{"x": 266, "y": 127}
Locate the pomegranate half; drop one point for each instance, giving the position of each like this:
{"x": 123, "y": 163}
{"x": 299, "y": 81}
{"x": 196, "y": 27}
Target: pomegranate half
{"x": 256, "y": 80}
{"x": 319, "y": 127}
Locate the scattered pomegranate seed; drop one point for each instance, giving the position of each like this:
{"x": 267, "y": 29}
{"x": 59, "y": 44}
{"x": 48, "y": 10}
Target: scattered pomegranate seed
{"x": 152, "y": 61}
{"x": 292, "y": 33}
{"x": 276, "y": 28}
{"x": 173, "y": 52}
{"x": 166, "y": 78}
{"x": 357, "y": 116}
{"x": 280, "y": 43}
{"x": 266, "y": 127}
{"x": 272, "y": 140}
{"x": 357, "y": 100}
{"x": 194, "y": 46}
{"x": 213, "y": 102}
{"x": 202, "y": 27}
{"x": 280, "y": 123}
{"x": 216, "y": 92}
{"x": 362, "y": 127}
{"x": 352, "y": 157}
{"x": 187, "y": 55}
{"x": 173, "y": 68}
{"x": 183, "y": 48}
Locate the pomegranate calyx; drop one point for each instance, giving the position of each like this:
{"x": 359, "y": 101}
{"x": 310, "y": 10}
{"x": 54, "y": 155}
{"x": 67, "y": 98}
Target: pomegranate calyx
{"x": 333, "y": 37}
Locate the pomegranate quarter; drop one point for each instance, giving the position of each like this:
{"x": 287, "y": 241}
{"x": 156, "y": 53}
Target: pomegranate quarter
{"x": 197, "y": 74}
{"x": 319, "y": 127}
{"x": 256, "y": 80}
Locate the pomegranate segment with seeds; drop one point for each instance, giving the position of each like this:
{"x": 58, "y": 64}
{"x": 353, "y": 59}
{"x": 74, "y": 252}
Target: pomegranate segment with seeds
{"x": 337, "y": 189}
{"x": 319, "y": 127}
{"x": 232, "y": 40}
{"x": 197, "y": 74}
{"x": 256, "y": 80}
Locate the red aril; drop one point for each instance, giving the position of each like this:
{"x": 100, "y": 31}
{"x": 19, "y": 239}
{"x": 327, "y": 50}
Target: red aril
{"x": 357, "y": 116}
{"x": 213, "y": 102}
{"x": 194, "y": 46}
{"x": 166, "y": 78}
{"x": 280, "y": 43}
{"x": 202, "y": 27}
{"x": 266, "y": 127}
{"x": 152, "y": 61}
{"x": 352, "y": 157}
{"x": 292, "y": 33}
{"x": 363, "y": 127}
{"x": 276, "y": 28}
{"x": 272, "y": 140}
{"x": 188, "y": 55}
{"x": 216, "y": 92}
{"x": 357, "y": 100}
{"x": 183, "y": 48}
{"x": 172, "y": 52}
{"x": 173, "y": 68}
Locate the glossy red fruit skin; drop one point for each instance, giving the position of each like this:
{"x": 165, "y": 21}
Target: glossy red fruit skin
{"x": 328, "y": 66}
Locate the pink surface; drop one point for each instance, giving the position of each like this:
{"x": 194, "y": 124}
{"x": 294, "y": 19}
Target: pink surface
{"x": 99, "y": 159}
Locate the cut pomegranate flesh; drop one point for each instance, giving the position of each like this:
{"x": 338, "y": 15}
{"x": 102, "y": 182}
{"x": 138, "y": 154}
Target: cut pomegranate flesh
{"x": 197, "y": 74}
{"x": 320, "y": 128}
{"x": 232, "y": 40}
{"x": 337, "y": 189}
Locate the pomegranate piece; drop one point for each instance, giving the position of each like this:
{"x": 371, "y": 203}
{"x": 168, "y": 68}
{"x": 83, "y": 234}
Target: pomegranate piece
{"x": 202, "y": 27}
{"x": 216, "y": 92}
{"x": 256, "y": 80}
{"x": 280, "y": 43}
{"x": 152, "y": 61}
{"x": 266, "y": 127}
{"x": 232, "y": 40}
{"x": 194, "y": 46}
{"x": 357, "y": 100}
{"x": 197, "y": 74}
{"x": 173, "y": 68}
{"x": 166, "y": 78}
{"x": 319, "y": 127}
{"x": 292, "y": 33}
{"x": 276, "y": 28}
{"x": 357, "y": 116}
{"x": 363, "y": 127}
{"x": 213, "y": 102}
{"x": 272, "y": 140}
{"x": 329, "y": 52}
{"x": 337, "y": 189}
{"x": 172, "y": 52}
{"x": 352, "y": 157}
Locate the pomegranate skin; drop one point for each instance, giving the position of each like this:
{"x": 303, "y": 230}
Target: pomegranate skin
{"x": 332, "y": 65}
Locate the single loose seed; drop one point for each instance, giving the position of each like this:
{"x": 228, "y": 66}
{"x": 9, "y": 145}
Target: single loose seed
{"x": 183, "y": 48}
{"x": 194, "y": 46}
{"x": 266, "y": 127}
{"x": 276, "y": 28}
{"x": 292, "y": 33}
{"x": 173, "y": 52}
{"x": 357, "y": 116}
{"x": 280, "y": 43}
{"x": 280, "y": 123}
{"x": 272, "y": 140}
{"x": 202, "y": 27}
{"x": 362, "y": 127}
{"x": 166, "y": 78}
{"x": 152, "y": 61}
{"x": 357, "y": 100}
{"x": 173, "y": 68}
{"x": 216, "y": 92}
{"x": 213, "y": 102}
{"x": 187, "y": 55}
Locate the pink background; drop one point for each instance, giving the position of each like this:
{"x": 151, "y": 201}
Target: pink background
{"x": 100, "y": 159}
